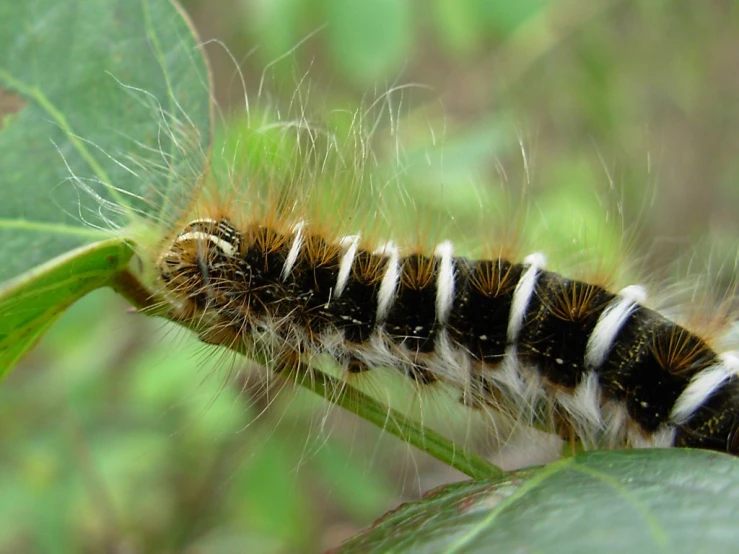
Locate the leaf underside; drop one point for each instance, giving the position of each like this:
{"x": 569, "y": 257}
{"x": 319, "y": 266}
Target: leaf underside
{"x": 98, "y": 90}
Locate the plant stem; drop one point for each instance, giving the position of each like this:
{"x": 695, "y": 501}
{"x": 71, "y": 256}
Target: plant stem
{"x": 409, "y": 431}
{"x": 335, "y": 391}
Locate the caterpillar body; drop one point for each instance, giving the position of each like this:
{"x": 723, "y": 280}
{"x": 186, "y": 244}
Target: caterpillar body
{"x": 510, "y": 337}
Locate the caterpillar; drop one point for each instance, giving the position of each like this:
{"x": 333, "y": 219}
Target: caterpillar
{"x": 533, "y": 345}
{"x": 588, "y": 361}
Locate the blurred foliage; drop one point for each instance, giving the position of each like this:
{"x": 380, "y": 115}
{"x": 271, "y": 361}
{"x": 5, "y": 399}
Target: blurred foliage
{"x": 624, "y": 108}
{"x": 115, "y": 439}
{"x": 631, "y": 105}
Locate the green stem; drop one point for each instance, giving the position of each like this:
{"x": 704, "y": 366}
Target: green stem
{"x": 337, "y": 392}
{"x": 342, "y": 394}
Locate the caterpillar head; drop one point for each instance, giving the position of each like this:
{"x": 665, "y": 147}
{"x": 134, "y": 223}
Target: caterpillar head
{"x": 200, "y": 260}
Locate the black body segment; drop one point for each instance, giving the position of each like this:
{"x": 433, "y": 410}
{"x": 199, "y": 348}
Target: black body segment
{"x": 650, "y": 365}
{"x": 561, "y": 316}
{"x": 412, "y": 318}
{"x": 715, "y": 425}
{"x": 311, "y": 283}
{"x": 262, "y": 256}
{"x": 355, "y": 311}
{"x": 482, "y": 305}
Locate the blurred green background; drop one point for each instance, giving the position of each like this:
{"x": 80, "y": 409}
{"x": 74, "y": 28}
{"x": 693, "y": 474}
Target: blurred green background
{"x": 628, "y": 112}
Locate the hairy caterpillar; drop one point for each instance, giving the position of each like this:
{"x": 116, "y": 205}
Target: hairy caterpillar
{"x": 277, "y": 280}
{"x": 535, "y": 345}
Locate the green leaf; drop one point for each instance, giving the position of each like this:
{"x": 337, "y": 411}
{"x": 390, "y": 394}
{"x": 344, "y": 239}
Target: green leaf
{"x": 32, "y": 303}
{"x": 620, "y": 501}
{"x": 111, "y": 102}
